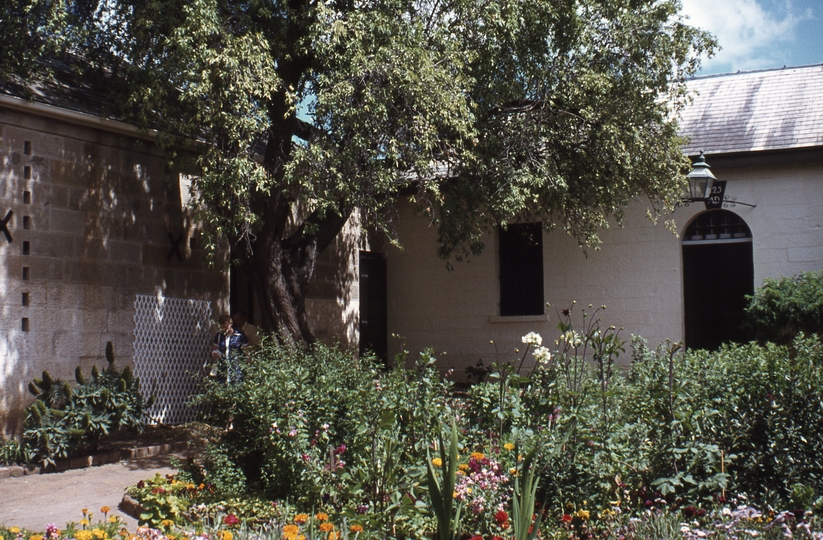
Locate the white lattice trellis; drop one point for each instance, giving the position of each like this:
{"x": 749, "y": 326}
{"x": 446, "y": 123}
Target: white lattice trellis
{"x": 171, "y": 344}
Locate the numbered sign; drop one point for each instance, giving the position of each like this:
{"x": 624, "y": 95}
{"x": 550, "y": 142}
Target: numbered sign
{"x": 716, "y": 196}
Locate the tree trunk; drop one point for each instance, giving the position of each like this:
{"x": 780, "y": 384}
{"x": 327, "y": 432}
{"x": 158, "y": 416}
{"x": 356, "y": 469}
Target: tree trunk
{"x": 281, "y": 270}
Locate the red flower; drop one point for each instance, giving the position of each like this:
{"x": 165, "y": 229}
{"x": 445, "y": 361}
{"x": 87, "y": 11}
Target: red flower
{"x": 501, "y": 516}
{"x": 477, "y": 537}
{"x": 230, "y": 520}
{"x": 566, "y": 518}
{"x": 497, "y": 538}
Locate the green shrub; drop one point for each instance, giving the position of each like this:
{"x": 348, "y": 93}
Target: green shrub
{"x": 746, "y": 418}
{"x": 781, "y": 308}
{"x": 12, "y": 452}
{"x": 321, "y": 427}
{"x": 67, "y": 420}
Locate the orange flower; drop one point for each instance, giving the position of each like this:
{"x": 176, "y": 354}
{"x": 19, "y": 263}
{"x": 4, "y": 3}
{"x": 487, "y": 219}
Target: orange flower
{"x": 105, "y": 509}
{"x": 290, "y": 532}
{"x": 85, "y": 511}
{"x": 301, "y": 518}
{"x": 356, "y": 528}
{"x": 334, "y": 536}
{"x": 478, "y": 456}
{"x": 322, "y": 516}
{"x": 326, "y": 527}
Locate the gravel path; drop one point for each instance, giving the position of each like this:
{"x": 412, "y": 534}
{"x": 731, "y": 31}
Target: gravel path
{"x": 34, "y": 501}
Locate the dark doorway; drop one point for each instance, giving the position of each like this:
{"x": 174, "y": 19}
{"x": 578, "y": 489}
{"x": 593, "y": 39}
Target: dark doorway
{"x": 718, "y": 273}
{"x": 241, "y": 295}
{"x": 373, "y": 305}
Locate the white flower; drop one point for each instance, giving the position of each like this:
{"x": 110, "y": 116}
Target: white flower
{"x": 542, "y": 355}
{"x": 572, "y": 338}
{"x": 532, "y": 338}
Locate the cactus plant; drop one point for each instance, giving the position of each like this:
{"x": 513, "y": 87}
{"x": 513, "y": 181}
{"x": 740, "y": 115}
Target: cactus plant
{"x": 65, "y": 420}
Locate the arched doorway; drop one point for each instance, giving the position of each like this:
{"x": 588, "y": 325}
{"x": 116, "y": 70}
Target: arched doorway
{"x": 718, "y": 272}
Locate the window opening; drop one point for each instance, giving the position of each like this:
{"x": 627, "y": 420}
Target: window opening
{"x": 521, "y": 269}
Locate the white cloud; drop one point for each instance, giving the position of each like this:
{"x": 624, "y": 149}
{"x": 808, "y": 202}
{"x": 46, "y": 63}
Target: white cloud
{"x": 751, "y": 35}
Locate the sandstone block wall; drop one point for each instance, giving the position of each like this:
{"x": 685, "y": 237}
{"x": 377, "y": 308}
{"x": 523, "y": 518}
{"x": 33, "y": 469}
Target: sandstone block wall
{"x": 93, "y": 213}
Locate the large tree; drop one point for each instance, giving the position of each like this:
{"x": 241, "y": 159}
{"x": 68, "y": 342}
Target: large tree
{"x": 482, "y": 111}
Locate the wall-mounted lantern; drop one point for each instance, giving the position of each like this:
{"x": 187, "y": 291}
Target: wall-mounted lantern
{"x": 706, "y": 188}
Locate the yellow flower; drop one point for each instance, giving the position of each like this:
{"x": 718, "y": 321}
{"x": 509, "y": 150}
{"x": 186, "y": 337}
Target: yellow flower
{"x": 105, "y": 509}
{"x": 582, "y": 514}
{"x": 513, "y": 471}
{"x": 290, "y": 532}
{"x": 14, "y": 530}
{"x": 225, "y": 535}
{"x": 508, "y": 446}
{"x": 437, "y": 462}
{"x": 84, "y": 522}
{"x": 99, "y": 534}
{"x": 83, "y": 535}
{"x": 477, "y": 455}
{"x": 301, "y": 518}
{"x": 463, "y": 466}
{"x": 167, "y": 523}
{"x": 326, "y": 527}
{"x": 322, "y": 516}
{"x": 356, "y": 528}
{"x": 36, "y": 537}
{"x": 112, "y": 519}
{"x": 454, "y": 495}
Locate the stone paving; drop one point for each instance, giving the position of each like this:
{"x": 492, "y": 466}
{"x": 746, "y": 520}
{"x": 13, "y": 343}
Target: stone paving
{"x": 32, "y": 501}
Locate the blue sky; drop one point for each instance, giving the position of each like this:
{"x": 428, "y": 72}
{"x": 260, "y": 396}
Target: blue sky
{"x": 759, "y": 34}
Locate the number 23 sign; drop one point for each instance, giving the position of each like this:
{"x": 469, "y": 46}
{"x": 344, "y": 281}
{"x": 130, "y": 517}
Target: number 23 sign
{"x": 716, "y": 196}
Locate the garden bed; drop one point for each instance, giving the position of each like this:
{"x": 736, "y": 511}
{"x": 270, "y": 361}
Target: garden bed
{"x": 125, "y": 445}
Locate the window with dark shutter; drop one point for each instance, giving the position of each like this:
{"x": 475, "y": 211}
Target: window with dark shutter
{"x": 521, "y": 270}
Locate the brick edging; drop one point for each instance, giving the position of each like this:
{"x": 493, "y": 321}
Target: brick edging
{"x": 95, "y": 460}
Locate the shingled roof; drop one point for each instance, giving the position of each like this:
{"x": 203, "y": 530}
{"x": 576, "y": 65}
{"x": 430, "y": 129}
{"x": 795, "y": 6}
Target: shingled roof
{"x": 776, "y": 109}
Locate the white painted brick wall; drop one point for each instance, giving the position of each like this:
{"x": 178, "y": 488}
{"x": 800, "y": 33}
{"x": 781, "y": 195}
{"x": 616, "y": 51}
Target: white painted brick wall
{"x": 637, "y": 273}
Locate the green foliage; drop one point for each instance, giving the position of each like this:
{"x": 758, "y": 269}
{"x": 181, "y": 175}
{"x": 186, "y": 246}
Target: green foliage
{"x": 782, "y": 307}
{"x": 320, "y": 427}
{"x": 691, "y": 425}
{"x": 488, "y": 113}
{"x": 12, "y": 452}
{"x": 65, "y": 421}
{"x": 441, "y": 487}
{"x": 524, "y": 498}
{"x": 163, "y": 498}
